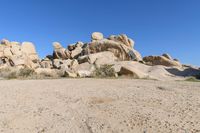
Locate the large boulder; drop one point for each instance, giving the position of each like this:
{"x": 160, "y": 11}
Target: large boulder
{"x": 85, "y": 69}
{"x": 119, "y": 49}
{"x": 7, "y": 52}
{"x": 5, "y": 42}
{"x": 60, "y": 52}
{"x": 167, "y": 56}
{"x": 98, "y": 59}
{"x": 97, "y": 36}
{"x": 2, "y": 51}
{"x": 122, "y": 39}
{"x": 28, "y": 48}
{"x": 17, "y": 61}
{"x": 46, "y": 63}
{"x": 161, "y": 60}
{"x": 131, "y": 68}
{"x": 74, "y": 64}
{"x": 16, "y": 49}
{"x": 66, "y": 64}
{"x": 70, "y": 73}
{"x": 79, "y": 44}
{"x": 76, "y": 52}
{"x": 57, "y": 63}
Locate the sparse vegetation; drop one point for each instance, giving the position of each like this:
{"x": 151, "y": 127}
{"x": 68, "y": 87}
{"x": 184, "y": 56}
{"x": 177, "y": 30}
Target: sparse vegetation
{"x": 26, "y": 72}
{"x": 193, "y": 79}
{"x": 104, "y": 71}
{"x": 11, "y": 75}
{"x": 8, "y": 73}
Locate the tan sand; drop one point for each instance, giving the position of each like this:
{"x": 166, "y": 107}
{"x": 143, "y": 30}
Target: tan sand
{"x": 99, "y": 106}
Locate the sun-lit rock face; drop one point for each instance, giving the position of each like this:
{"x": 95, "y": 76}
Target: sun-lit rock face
{"x": 111, "y": 56}
{"x": 15, "y": 54}
{"x": 165, "y": 60}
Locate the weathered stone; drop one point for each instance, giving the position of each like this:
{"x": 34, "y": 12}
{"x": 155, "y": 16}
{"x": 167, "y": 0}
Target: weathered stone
{"x": 31, "y": 64}
{"x": 67, "y": 62}
{"x": 5, "y": 42}
{"x": 59, "y": 52}
{"x": 16, "y": 49}
{"x": 167, "y": 56}
{"x": 76, "y": 52}
{"x": 74, "y": 64}
{"x": 70, "y": 73}
{"x": 84, "y": 73}
{"x": 29, "y": 49}
{"x": 97, "y": 36}
{"x": 103, "y": 58}
{"x": 1, "y": 62}
{"x": 122, "y": 39}
{"x": 161, "y": 60}
{"x": 7, "y": 52}
{"x": 46, "y": 64}
{"x": 57, "y": 45}
{"x": 85, "y": 70}
{"x": 79, "y": 44}
{"x": 71, "y": 47}
{"x": 100, "y": 58}
{"x": 120, "y": 50}
{"x": 57, "y": 63}
{"x": 131, "y": 68}
{"x": 17, "y": 61}
{"x": 2, "y": 50}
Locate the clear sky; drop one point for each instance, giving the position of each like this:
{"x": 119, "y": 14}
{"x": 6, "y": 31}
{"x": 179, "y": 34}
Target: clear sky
{"x": 157, "y": 26}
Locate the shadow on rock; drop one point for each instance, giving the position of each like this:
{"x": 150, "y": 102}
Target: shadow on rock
{"x": 186, "y": 72}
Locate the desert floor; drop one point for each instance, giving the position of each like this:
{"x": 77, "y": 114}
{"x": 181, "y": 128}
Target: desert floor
{"x": 99, "y": 106}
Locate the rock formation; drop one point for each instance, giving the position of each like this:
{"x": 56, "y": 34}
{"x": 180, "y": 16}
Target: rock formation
{"x": 165, "y": 60}
{"x": 18, "y": 55}
{"x": 84, "y": 59}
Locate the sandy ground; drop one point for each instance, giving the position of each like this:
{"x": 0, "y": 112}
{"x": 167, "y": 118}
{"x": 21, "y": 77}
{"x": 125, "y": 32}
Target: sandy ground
{"x": 99, "y": 106}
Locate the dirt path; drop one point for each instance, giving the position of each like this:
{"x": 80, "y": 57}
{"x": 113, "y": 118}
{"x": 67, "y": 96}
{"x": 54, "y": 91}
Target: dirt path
{"x": 99, "y": 106}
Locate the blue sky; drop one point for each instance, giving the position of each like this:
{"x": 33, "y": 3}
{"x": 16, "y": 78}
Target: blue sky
{"x": 157, "y": 26}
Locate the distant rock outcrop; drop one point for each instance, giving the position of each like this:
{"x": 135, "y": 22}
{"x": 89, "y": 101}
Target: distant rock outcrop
{"x": 165, "y": 60}
{"x": 114, "y": 54}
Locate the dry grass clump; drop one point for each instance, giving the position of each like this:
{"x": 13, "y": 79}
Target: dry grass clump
{"x": 8, "y": 73}
{"x": 45, "y": 75}
{"x": 193, "y": 79}
{"x": 16, "y": 73}
{"x": 104, "y": 71}
{"x": 27, "y": 73}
